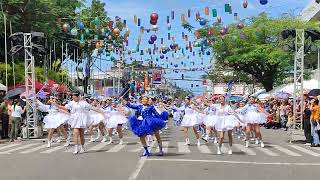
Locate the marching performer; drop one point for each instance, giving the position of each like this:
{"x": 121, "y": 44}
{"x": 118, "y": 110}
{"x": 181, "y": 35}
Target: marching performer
{"x": 148, "y": 122}
{"x": 55, "y": 119}
{"x": 96, "y": 119}
{"x": 210, "y": 120}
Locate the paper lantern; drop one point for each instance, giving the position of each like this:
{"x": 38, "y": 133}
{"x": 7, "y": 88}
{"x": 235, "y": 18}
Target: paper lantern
{"x": 203, "y": 22}
{"x": 208, "y": 53}
{"x": 116, "y": 31}
{"x": 141, "y": 29}
{"x": 153, "y": 22}
{"x": 226, "y": 8}
{"x": 172, "y": 15}
{"x": 80, "y": 24}
{"x": 245, "y": 4}
{"x": 124, "y": 23}
{"x": 169, "y": 27}
{"x": 196, "y": 34}
{"x": 222, "y": 32}
{"x": 96, "y": 21}
{"x": 153, "y": 37}
{"x": 219, "y": 19}
{"x": 173, "y": 39}
{"x": 169, "y": 36}
{"x": 74, "y": 31}
{"x": 225, "y": 28}
{"x": 66, "y": 27}
{"x": 154, "y": 17}
{"x": 183, "y": 18}
{"x": 235, "y": 16}
{"x": 139, "y": 21}
{"x": 230, "y": 10}
{"x": 263, "y": 2}
{"x": 154, "y": 27}
{"x": 82, "y": 44}
{"x": 210, "y": 31}
{"x": 135, "y": 19}
{"x": 161, "y": 56}
{"x": 198, "y": 16}
{"x": 189, "y": 13}
{"x": 173, "y": 46}
{"x": 168, "y": 19}
{"x": 214, "y": 13}
{"x": 161, "y": 40}
{"x": 150, "y": 41}
{"x": 242, "y": 36}
{"x": 206, "y": 11}
{"x": 240, "y": 25}
{"x": 87, "y": 31}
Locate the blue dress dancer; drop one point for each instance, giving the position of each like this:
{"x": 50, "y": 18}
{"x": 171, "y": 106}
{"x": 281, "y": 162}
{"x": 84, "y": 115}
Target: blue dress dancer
{"x": 148, "y": 122}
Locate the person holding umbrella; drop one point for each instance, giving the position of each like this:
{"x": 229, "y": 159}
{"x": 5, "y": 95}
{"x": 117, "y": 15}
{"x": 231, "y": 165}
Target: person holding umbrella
{"x": 315, "y": 115}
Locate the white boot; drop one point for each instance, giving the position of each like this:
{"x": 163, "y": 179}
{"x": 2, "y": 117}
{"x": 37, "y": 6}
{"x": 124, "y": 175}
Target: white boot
{"x": 49, "y": 144}
{"x": 76, "y": 149}
{"x": 215, "y": 140}
{"x": 67, "y": 143}
{"x": 247, "y": 143}
{"x": 110, "y": 140}
{"x": 219, "y": 150}
{"x": 92, "y": 139}
{"x": 198, "y": 142}
{"x": 121, "y": 141}
{"x": 230, "y": 150}
{"x": 257, "y": 141}
{"x": 59, "y": 139}
{"x": 104, "y": 139}
{"x": 261, "y": 144}
{"x": 69, "y": 135}
{"x": 82, "y": 150}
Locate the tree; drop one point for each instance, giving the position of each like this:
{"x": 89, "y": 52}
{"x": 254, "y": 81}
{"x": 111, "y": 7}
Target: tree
{"x": 255, "y": 49}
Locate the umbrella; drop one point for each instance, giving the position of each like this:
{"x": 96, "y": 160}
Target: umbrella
{"x": 282, "y": 95}
{"x": 14, "y": 92}
{"x": 314, "y": 92}
{"x": 3, "y": 87}
{"x": 264, "y": 96}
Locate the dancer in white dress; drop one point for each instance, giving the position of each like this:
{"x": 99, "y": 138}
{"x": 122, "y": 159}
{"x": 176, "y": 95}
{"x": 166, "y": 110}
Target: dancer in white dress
{"x": 254, "y": 115}
{"x": 190, "y": 120}
{"x": 118, "y": 116}
{"x": 55, "y": 119}
{"x": 96, "y": 119}
{"x": 79, "y": 120}
{"x": 225, "y": 122}
{"x": 210, "y": 120}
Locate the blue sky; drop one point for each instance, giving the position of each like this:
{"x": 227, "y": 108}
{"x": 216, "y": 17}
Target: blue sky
{"x": 126, "y": 9}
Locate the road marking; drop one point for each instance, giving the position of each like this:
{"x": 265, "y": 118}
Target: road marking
{"x": 19, "y": 148}
{"x": 236, "y": 162}
{"x": 307, "y": 151}
{"x": 117, "y": 148}
{"x": 139, "y": 166}
{"x": 33, "y": 149}
{"x": 182, "y": 148}
{"x": 9, "y": 146}
{"x": 204, "y": 149}
{"x": 165, "y": 145}
{"x": 152, "y": 147}
{"x": 98, "y": 147}
{"x": 285, "y": 150}
{"x": 50, "y": 150}
{"x": 244, "y": 149}
{"x": 267, "y": 151}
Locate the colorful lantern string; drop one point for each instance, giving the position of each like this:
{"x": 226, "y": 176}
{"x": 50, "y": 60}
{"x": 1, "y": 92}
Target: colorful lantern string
{"x": 139, "y": 21}
{"x": 135, "y": 19}
{"x": 189, "y": 13}
{"x": 206, "y": 11}
{"x": 226, "y": 8}
{"x": 172, "y": 15}
{"x": 214, "y": 13}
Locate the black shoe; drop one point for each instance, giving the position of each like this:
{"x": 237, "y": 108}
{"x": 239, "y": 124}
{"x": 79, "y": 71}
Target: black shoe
{"x": 313, "y": 145}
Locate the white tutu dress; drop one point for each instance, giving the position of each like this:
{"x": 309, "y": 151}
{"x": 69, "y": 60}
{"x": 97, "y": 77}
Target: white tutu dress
{"x": 116, "y": 118}
{"x": 79, "y": 117}
{"x": 210, "y": 119}
{"x": 224, "y": 118}
{"x": 190, "y": 118}
{"x": 252, "y": 115}
{"x": 96, "y": 117}
{"x": 54, "y": 118}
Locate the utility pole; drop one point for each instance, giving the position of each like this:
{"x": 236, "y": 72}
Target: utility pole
{"x": 5, "y": 45}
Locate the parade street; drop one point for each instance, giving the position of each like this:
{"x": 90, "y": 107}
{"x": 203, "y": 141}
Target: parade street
{"x": 31, "y": 160}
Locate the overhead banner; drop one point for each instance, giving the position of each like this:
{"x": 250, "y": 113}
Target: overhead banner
{"x": 156, "y": 76}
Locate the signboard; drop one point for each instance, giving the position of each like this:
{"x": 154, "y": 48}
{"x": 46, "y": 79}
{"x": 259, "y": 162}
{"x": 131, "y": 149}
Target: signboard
{"x": 156, "y": 76}
{"x": 223, "y": 88}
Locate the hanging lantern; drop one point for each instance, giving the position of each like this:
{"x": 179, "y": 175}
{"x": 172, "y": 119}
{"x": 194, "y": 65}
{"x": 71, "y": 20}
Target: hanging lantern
{"x": 245, "y": 4}
{"x": 87, "y": 31}
{"x": 139, "y": 39}
{"x": 210, "y": 31}
{"x": 226, "y": 8}
{"x": 222, "y": 32}
{"x": 82, "y": 38}
{"x": 206, "y": 11}
{"x": 172, "y": 15}
{"x": 66, "y": 27}
{"x": 169, "y": 36}
{"x": 135, "y": 19}
{"x": 214, "y": 13}
{"x": 153, "y": 22}
{"x": 124, "y": 23}
{"x": 161, "y": 56}
{"x": 173, "y": 39}
{"x": 230, "y": 10}
{"x": 242, "y": 36}
{"x": 139, "y": 21}
{"x": 141, "y": 29}
{"x": 225, "y": 28}
{"x": 198, "y": 16}
{"x": 96, "y": 21}
{"x": 110, "y": 24}
{"x": 189, "y": 13}
{"x": 153, "y": 37}
{"x": 196, "y": 34}
{"x": 161, "y": 40}
{"x": 235, "y": 16}
{"x": 82, "y": 44}
{"x": 208, "y": 53}
{"x": 116, "y": 31}
{"x": 202, "y": 22}
{"x": 263, "y": 2}
{"x": 168, "y": 19}
{"x": 219, "y": 19}
{"x": 154, "y": 17}
{"x": 240, "y": 25}
{"x": 80, "y": 24}
{"x": 186, "y": 37}
{"x": 183, "y": 19}
{"x": 74, "y": 31}
{"x": 182, "y": 35}
{"x": 154, "y": 27}
{"x": 127, "y": 32}
{"x": 169, "y": 27}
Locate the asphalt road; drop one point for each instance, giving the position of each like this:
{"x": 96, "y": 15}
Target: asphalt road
{"x": 31, "y": 160}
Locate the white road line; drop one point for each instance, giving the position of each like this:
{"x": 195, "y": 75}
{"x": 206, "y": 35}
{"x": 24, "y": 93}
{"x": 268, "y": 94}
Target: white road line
{"x": 98, "y": 147}
{"x": 165, "y": 146}
{"x": 182, "y": 148}
{"x": 267, "y": 151}
{"x": 307, "y": 151}
{"x": 152, "y": 147}
{"x": 204, "y": 149}
{"x": 244, "y": 149}
{"x": 285, "y": 150}
{"x": 117, "y": 148}
{"x": 139, "y": 166}
{"x": 34, "y": 149}
{"x": 52, "y": 149}
{"x": 236, "y": 162}
{"x": 19, "y": 148}
{"x": 9, "y": 146}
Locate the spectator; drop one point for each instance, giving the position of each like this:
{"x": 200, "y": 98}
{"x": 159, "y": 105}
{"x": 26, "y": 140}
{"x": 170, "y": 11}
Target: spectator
{"x": 315, "y": 115}
{"x": 16, "y": 114}
{"x": 4, "y": 117}
{"x": 306, "y": 124}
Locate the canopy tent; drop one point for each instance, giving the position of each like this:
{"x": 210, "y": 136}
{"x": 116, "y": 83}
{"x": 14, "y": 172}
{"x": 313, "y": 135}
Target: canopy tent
{"x": 38, "y": 86}
{"x": 3, "y": 87}
{"x": 289, "y": 88}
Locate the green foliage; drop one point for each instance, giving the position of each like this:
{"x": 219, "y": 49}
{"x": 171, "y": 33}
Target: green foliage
{"x": 258, "y": 48}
